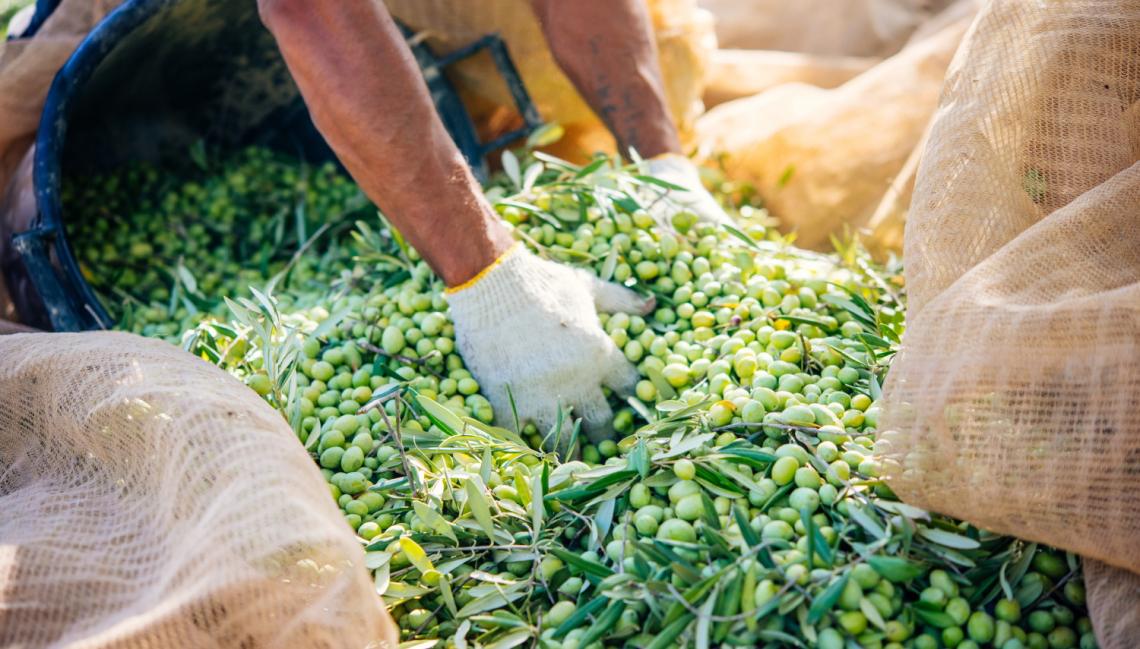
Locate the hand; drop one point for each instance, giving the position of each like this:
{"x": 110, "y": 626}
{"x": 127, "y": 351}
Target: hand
{"x": 533, "y": 325}
{"x": 678, "y": 170}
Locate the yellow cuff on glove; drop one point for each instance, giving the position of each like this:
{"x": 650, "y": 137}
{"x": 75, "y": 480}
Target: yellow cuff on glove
{"x": 483, "y": 273}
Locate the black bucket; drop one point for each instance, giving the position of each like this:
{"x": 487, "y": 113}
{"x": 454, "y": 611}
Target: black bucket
{"x": 158, "y": 75}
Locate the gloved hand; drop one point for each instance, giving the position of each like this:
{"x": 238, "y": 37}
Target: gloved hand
{"x": 533, "y": 324}
{"x": 679, "y": 170}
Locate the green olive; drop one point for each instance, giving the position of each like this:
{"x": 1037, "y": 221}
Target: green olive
{"x": 690, "y": 508}
{"x": 784, "y": 470}
{"x": 676, "y": 529}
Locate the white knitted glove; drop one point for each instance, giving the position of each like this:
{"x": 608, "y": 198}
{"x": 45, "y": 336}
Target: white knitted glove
{"x": 533, "y": 325}
{"x": 679, "y": 170}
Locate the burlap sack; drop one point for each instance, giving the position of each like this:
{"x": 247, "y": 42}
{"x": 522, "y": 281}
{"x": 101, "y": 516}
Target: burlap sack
{"x": 876, "y": 28}
{"x": 825, "y": 159}
{"x": 1013, "y": 404}
{"x": 685, "y": 39}
{"x": 148, "y": 499}
{"x": 27, "y": 67}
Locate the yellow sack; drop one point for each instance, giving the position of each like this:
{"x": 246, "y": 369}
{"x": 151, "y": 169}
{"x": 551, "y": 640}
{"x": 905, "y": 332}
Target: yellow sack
{"x": 825, "y": 159}
{"x": 876, "y": 28}
{"x": 733, "y": 74}
{"x": 685, "y": 39}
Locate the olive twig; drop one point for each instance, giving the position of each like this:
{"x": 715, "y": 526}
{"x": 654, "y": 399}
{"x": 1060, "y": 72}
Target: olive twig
{"x": 422, "y": 362}
{"x": 394, "y": 435}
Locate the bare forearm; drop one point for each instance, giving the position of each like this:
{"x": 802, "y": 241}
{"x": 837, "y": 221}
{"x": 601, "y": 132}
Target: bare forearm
{"x": 368, "y": 100}
{"x": 607, "y": 48}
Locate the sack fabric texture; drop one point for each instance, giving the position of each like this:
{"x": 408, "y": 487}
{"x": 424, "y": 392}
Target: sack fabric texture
{"x": 1014, "y": 401}
{"x": 149, "y": 499}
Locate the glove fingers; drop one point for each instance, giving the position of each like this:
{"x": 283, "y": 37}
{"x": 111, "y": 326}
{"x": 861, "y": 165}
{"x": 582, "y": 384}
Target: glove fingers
{"x": 696, "y": 199}
{"x": 595, "y": 412}
{"x": 545, "y": 420}
{"x": 597, "y": 417}
{"x": 503, "y": 416}
{"x": 538, "y": 409}
{"x": 618, "y": 374}
{"x": 529, "y": 407}
{"x": 613, "y": 298}
{"x": 707, "y": 209}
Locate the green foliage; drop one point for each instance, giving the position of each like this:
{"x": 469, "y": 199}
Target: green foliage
{"x": 745, "y": 502}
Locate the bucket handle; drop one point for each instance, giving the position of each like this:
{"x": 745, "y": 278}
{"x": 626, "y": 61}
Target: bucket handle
{"x": 34, "y": 247}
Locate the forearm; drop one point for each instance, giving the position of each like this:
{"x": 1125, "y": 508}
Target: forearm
{"x": 607, "y": 49}
{"x": 368, "y": 99}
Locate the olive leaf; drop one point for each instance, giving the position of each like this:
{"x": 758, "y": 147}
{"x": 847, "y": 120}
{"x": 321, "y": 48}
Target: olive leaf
{"x": 825, "y": 601}
{"x": 416, "y": 555}
{"x": 432, "y": 519}
{"x": 479, "y": 507}
{"x": 579, "y": 616}
{"x": 948, "y": 539}
{"x": 511, "y": 167}
{"x": 895, "y": 569}
{"x": 445, "y": 419}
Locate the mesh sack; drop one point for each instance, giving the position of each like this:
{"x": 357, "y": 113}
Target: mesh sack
{"x": 824, "y": 159}
{"x": 1113, "y": 596}
{"x": 149, "y": 499}
{"x": 685, "y": 38}
{"x": 1014, "y": 402}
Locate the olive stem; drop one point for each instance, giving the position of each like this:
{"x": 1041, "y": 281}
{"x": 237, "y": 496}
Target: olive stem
{"x": 802, "y": 429}
{"x": 394, "y": 435}
{"x": 300, "y": 251}
{"x": 436, "y": 612}
{"x": 1060, "y": 584}
{"x": 422, "y": 362}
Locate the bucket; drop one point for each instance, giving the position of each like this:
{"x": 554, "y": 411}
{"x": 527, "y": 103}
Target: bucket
{"x": 156, "y": 76}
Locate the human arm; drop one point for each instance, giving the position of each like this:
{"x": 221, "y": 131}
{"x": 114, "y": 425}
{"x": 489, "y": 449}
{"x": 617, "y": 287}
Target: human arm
{"x": 369, "y": 101}
{"x": 608, "y": 50}
{"x": 520, "y": 321}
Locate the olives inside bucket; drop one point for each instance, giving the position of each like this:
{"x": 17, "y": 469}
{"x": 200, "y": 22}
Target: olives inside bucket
{"x": 153, "y": 79}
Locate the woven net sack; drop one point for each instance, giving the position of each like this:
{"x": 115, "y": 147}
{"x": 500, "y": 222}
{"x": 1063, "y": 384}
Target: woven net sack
{"x": 1016, "y": 401}
{"x": 685, "y": 40}
{"x": 148, "y": 499}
